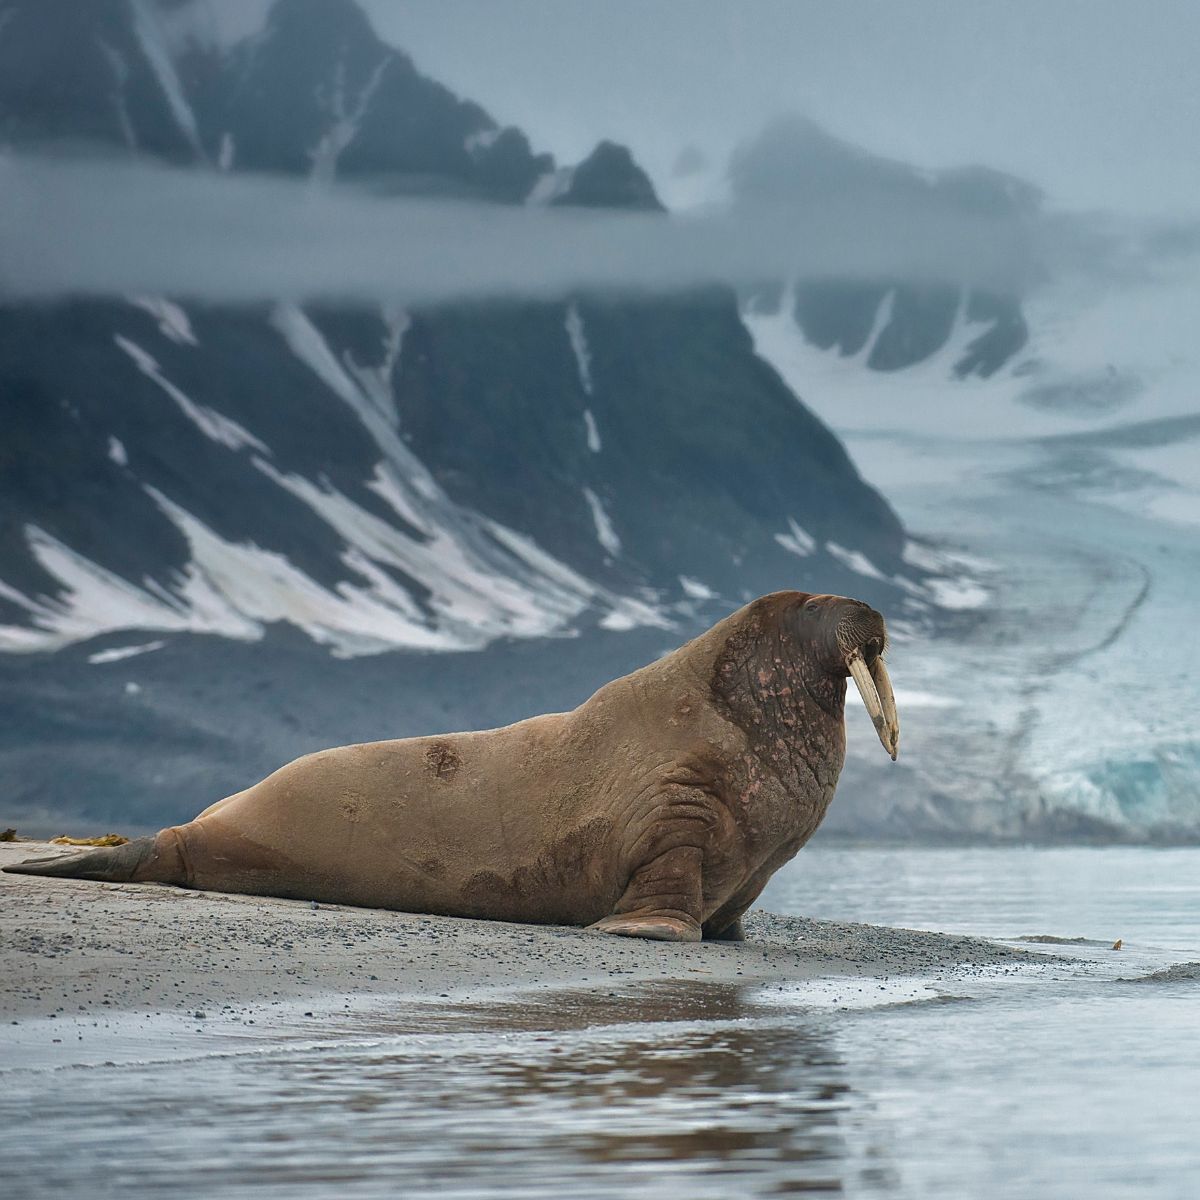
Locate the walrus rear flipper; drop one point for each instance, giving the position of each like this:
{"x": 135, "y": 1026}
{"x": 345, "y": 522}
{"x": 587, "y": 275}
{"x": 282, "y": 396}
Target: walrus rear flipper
{"x": 140, "y": 861}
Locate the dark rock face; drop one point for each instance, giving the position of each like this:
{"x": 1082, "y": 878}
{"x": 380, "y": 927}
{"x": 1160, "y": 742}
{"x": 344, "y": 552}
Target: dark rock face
{"x": 842, "y": 315}
{"x": 319, "y": 93}
{"x": 444, "y": 478}
{"x": 78, "y": 73}
{"x": 1000, "y": 343}
{"x": 609, "y": 178}
{"x": 695, "y": 484}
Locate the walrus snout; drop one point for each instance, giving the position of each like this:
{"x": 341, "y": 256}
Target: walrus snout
{"x": 852, "y": 641}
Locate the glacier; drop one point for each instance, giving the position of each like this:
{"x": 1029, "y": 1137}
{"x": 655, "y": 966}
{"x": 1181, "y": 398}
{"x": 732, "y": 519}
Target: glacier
{"x": 1057, "y": 696}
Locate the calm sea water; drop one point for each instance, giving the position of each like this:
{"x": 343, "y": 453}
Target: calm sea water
{"x": 1054, "y": 1080}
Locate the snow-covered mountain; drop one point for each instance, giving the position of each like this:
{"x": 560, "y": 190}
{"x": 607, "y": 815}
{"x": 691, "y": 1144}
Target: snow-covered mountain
{"x": 430, "y": 479}
{"x": 363, "y": 479}
{"x": 233, "y": 533}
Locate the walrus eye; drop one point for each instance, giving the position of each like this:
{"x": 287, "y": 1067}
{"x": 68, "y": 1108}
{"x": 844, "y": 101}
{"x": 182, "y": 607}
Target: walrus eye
{"x": 875, "y": 687}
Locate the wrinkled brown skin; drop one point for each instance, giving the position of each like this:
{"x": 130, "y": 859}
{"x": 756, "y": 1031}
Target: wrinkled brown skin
{"x": 658, "y": 808}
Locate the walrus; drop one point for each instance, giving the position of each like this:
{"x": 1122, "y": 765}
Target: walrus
{"x": 658, "y": 808}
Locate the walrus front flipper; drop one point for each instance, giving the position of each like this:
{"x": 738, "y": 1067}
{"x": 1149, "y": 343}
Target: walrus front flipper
{"x": 662, "y": 900}
{"x": 141, "y": 861}
{"x": 662, "y": 927}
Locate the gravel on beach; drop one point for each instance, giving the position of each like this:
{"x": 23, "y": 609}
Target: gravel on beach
{"x": 73, "y": 948}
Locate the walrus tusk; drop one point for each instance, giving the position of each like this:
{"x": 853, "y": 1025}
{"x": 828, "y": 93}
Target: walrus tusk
{"x": 887, "y": 698}
{"x": 888, "y": 730}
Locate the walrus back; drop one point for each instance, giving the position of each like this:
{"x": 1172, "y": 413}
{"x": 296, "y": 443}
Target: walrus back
{"x": 456, "y": 823}
{"x": 505, "y": 823}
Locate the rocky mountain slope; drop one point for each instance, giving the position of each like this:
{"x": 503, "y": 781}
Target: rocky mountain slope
{"x": 379, "y": 477}
{"x": 246, "y": 491}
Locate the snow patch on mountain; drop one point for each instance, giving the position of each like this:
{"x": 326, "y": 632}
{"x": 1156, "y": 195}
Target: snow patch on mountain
{"x": 629, "y": 614}
{"x": 376, "y": 381}
{"x": 173, "y": 322}
{"x": 363, "y": 392}
{"x": 606, "y": 534}
{"x": 399, "y": 497}
{"x": 121, "y": 653}
{"x": 466, "y": 593}
{"x": 797, "y": 539}
{"x": 95, "y": 600}
{"x": 551, "y": 186}
{"x": 856, "y": 560}
{"x": 238, "y": 589}
{"x": 150, "y": 38}
{"x": 241, "y": 586}
{"x": 345, "y": 118}
{"x": 593, "y": 432}
{"x": 220, "y": 428}
{"x": 120, "y": 69}
{"x": 583, "y": 357}
{"x": 366, "y": 391}
{"x": 695, "y": 589}
{"x": 306, "y": 343}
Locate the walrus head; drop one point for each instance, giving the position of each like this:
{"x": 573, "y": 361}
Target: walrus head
{"x": 789, "y": 645}
{"x": 849, "y": 638}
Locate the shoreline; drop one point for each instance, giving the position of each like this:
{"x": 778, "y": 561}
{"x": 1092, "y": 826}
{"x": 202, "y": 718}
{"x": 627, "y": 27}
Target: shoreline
{"x": 113, "y": 970}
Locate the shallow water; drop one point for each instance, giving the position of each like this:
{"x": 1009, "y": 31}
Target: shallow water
{"x": 1053, "y": 1080}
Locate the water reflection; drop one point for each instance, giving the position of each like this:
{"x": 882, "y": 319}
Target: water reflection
{"x": 670, "y": 1085}
{"x": 673, "y": 1090}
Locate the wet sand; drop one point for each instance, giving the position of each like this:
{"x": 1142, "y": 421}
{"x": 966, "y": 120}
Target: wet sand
{"x": 101, "y": 974}
{"x": 74, "y": 948}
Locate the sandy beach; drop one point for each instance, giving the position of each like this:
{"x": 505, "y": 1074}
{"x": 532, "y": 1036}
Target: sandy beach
{"x": 78, "y": 958}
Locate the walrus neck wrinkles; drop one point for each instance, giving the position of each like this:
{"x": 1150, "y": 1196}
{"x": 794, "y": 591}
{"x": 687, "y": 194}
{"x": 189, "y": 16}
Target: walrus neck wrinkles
{"x": 768, "y": 682}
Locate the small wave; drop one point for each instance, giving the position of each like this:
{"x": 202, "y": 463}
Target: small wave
{"x": 1175, "y": 973}
{"x": 1049, "y": 939}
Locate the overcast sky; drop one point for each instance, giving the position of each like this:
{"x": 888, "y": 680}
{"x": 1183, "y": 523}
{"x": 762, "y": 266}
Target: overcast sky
{"x": 1096, "y": 100}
